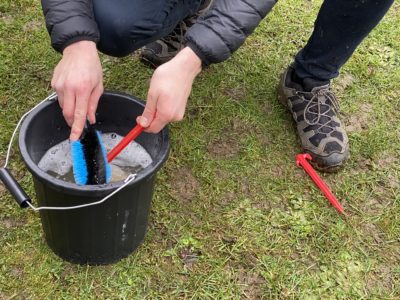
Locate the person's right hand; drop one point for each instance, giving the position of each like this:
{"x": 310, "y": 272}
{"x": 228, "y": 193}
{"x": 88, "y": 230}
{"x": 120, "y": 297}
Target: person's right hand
{"x": 78, "y": 82}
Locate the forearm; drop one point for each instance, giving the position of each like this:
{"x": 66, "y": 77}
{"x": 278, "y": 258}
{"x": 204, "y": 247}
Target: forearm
{"x": 70, "y": 21}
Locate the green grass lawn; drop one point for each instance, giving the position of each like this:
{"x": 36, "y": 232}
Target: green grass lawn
{"x": 232, "y": 216}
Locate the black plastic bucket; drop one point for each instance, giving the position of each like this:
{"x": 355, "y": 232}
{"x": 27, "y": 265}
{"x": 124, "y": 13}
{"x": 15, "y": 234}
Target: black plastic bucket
{"x": 104, "y": 233}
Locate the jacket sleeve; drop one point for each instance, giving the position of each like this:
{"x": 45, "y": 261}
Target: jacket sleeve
{"x": 70, "y": 21}
{"x": 224, "y": 28}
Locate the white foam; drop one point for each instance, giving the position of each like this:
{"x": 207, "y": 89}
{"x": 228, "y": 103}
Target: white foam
{"x": 57, "y": 159}
{"x": 133, "y": 155}
{"x": 133, "y": 158}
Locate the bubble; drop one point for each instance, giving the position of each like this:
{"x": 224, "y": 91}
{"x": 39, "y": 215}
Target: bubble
{"x": 134, "y": 158}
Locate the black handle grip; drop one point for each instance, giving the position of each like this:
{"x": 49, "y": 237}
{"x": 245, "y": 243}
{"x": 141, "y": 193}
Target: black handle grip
{"x": 14, "y": 188}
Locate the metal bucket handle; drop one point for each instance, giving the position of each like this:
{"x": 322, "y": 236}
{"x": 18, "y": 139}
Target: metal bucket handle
{"x": 17, "y": 191}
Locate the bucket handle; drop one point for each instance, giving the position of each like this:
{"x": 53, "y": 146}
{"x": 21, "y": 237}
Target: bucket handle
{"x": 127, "y": 180}
{"x": 17, "y": 191}
{"x": 6, "y": 177}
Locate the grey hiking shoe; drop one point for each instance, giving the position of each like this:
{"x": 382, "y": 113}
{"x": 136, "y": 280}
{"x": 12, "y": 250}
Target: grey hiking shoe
{"x": 315, "y": 110}
{"x": 161, "y": 51}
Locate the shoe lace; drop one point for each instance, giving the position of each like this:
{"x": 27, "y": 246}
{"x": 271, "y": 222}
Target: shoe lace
{"x": 312, "y": 112}
{"x": 176, "y": 37}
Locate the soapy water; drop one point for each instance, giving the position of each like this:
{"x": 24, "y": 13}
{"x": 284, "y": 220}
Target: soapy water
{"x": 134, "y": 158}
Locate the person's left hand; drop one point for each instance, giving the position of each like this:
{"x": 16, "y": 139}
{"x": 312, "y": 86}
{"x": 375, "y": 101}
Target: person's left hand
{"x": 169, "y": 90}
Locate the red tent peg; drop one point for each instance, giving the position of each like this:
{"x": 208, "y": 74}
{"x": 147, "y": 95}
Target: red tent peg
{"x": 302, "y": 161}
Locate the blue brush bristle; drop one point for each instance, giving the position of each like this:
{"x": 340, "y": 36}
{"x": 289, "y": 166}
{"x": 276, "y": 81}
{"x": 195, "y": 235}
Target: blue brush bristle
{"x": 79, "y": 166}
{"x": 106, "y": 164}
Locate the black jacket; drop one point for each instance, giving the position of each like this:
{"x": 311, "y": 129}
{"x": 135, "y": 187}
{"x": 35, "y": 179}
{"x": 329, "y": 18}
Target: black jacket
{"x": 214, "y": 37}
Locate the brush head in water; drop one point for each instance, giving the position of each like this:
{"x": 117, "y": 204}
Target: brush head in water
{"x": 89, "y": 159}
{"x": 79, "y": 166}
{"x": 103, "y": 156}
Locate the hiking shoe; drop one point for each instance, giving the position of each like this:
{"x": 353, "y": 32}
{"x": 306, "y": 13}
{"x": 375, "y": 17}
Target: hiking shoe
{"x": 163, "y": 50}
{"x": 314, "y": 108}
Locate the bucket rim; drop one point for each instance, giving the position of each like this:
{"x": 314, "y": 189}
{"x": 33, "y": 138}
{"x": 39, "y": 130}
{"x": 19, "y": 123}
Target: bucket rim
{"x": 90, "y": 190}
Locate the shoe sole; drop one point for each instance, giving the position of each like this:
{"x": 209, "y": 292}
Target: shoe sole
{"x": 281, "y": 94}
{"x": 332, "y": 168}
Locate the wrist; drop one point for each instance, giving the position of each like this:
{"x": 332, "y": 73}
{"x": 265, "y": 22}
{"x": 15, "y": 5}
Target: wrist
{"x": 189, "y": 60}
{"x": 80, "y": 46}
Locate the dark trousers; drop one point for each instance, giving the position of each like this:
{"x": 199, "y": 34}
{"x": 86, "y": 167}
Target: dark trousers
{"x": 340, "y": 27}
{"x": 127, "y": 25}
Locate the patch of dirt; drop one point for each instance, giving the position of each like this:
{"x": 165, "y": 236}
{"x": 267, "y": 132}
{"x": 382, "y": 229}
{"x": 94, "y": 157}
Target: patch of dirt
{"x": 6, "y": 19}
{"x": 227, "y": 198}
{"x": 371, "y": 71}
{"x": 12, "y": 223}
{"x": 372, "y": 207}
{"x": 229, "y": 240}
{"x": 264, "y": 139}
{"x": 391, "y": 252}
{"x": 12, "y": 296}
{"x": 380, "y": 279}
{"x": 245, "y": 188}
{"x": 393, "y": 182}
{"x": 386, "y": 161}
{"x": 32, "y": 26}
{"x": 251, "y": 284}
{"x": 17, "y": 271}
{"x": 264, "y": 204}
{"x": 267, "y": 107}
{"x": 343, "y": 82}
{"x": 239, "y": 126}
{"x": 185, "y": 185}
{"x": 189, "y": 257}
{"x": 67, "y": 272}
{"x": 254, "y": 193}
{"x": 250, "y": 259}
{"x": 237, "y": 94}
{"x": 363, "y": 164}
{"x": 221, "y": 175}
{"x": 373, "y": 231}
{"x": 195, "y": 218}
{"x": 359, "y": 121}
{"x": 226, "y": 146}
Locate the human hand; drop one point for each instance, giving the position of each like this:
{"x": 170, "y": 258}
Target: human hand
{"x": 169, "y": 90}
{"x": 78, "y": 82}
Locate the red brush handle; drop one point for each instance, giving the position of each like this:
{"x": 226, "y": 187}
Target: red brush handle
{"x": 124, "y": 142}
{"x": 301, "y": 160}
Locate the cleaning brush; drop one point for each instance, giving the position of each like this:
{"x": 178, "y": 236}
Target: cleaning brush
{"x": 89, "y": 159}
{"x": 90, "y": 162}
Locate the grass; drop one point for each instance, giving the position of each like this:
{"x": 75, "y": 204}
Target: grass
{"x": 232, "y": 216}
